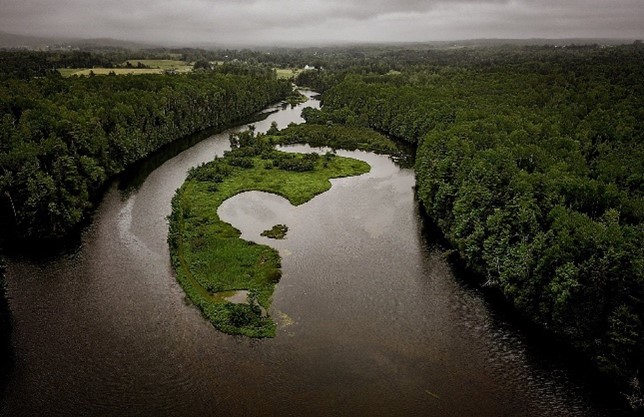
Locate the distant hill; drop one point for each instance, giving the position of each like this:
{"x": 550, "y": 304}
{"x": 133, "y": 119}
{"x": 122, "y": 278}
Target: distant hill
{"x": 544, "y": 41}
{"x": 11, "y": 40}
{"x": 491, "y": 42}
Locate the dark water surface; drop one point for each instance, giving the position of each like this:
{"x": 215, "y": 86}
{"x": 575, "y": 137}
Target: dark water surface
{"x": 371, "y": 320}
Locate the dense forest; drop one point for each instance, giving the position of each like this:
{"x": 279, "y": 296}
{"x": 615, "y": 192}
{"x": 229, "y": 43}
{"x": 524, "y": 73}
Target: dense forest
{"x": 61, "y": 138}
{"x": 533, "y": 168}
{"x": 530, "y": 159}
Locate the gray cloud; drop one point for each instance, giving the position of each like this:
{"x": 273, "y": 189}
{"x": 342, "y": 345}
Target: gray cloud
{"x": 270, "y": 21}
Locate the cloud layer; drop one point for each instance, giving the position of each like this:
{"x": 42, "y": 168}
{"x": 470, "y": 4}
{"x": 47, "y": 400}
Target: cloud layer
{"x": 307, "y": 21}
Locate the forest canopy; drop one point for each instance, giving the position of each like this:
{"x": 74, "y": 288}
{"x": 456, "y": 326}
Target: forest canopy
{"x": 62, "y": 138}
{"x": 530, "y": 159}
{"x": 532, "y": 165}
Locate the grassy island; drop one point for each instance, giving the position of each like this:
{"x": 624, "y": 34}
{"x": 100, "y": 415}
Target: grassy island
{"x": 276, "y": 232}
{"x": 208, "y": 254}
{"x": 296, "y": 98}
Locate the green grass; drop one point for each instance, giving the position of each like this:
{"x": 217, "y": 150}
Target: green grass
{"x": 119, "y": 71}
{"x": 157, "y": 66}
{"x": 68, "y": 72}
{"x": 276, "y": 232}
{"x": 209, "y": 256}
{"x": 287, "y": 73}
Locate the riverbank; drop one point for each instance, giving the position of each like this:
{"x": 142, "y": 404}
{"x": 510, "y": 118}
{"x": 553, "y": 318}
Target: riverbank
{"x": 90, "y": 129}
{"x": 105, "y": 330}
{"x": 209, "y": 257}
{"x": 6, "y": 353}
{"x": 535, "y": 195}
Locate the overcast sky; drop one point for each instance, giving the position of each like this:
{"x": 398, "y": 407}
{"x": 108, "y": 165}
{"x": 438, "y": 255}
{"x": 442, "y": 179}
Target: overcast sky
{"x": 313, "y": 21}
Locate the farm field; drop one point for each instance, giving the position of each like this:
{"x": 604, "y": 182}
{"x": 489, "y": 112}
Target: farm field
{"x": 156, "y": 66}
{"x": 286, "y": 73}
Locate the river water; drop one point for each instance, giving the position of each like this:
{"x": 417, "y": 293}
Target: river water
{"x": 372, "y": 321}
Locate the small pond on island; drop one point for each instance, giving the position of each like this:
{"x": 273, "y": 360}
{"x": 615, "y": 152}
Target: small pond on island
{"x": 372, "y": 320}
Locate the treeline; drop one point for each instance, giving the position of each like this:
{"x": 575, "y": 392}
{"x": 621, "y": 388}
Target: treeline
{"x": 61, "y": 139}
{"x": 534, "y": 171}
{"x": 374, "y": 59}
{"x": 237, "y": 68}
{"x": 318, "y": 131}
{"x": 28, "y": 64}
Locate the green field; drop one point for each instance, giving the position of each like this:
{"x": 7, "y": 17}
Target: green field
{"x": 157, "y": 66}
{"x": 117, "y": 71}
{"x": 287, "y": 73}
{"x": 68, "y": 72}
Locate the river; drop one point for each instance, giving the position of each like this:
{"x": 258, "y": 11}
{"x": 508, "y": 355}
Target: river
{"x": 372, "y": 320}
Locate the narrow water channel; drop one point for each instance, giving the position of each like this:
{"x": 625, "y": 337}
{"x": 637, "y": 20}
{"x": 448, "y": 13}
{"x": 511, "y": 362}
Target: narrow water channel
{"x": 372, "y": 321}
